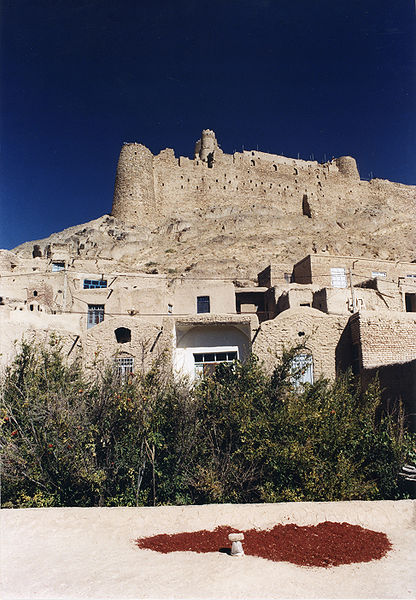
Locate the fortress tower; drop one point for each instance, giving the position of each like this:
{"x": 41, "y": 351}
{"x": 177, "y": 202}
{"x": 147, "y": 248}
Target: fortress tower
{"x": 134, "y": 191}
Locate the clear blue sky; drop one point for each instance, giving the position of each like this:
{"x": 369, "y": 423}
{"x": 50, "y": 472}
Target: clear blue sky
{"x": 79, "y": 77}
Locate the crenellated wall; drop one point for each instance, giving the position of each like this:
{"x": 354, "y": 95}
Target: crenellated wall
{"x": 155, "y": 187}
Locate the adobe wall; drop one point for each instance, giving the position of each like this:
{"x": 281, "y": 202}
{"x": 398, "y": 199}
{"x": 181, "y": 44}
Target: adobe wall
{"x": 316, "y": 269}
{"x": 150, "y": 188}
{"x": 319, "y": 332}
{"x": 386, "y": 337}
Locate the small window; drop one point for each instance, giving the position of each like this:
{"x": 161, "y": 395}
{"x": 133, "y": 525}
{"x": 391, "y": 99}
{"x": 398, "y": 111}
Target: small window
{"x": 378, "y": 274}
{"x": 338, "y": 277}
{"x": 302, "y": 369}
{"x": 410, "y": 300}
{"x": 288, "y": 277}
{"x": 124, "y": 366}
{"x": 202, "y": 304}
{"x": 58, "y": 266}
{"x": 170, "y": 309}
{"x": 93, "y": 284}
{"x": 95, "y": 314}
{"x": 123, "y": 335}
{"x": 253, "y": 163}
{"x": 35, "y": 293}
{"x": 37, "y": 253}
{"x": 411, "y": 276}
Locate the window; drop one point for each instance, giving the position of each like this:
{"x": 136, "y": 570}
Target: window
{"x": 58, "y": 266}
{"x": 410, "y": 300}
{"x": 202, "y": 304}
{"x": 338, "y": 277}
{"x": 123, "y": 335}
{"x": 206, "y": 362}
{"x": 302, "y": 369}
{"x": 378, "y": 274}
{"x": 95, "y": 314}
{"x": 411, "y": 276}
{"x": 124, "y": 366}
{"x": 288, "y": 277}
{"x": 93, "y": 284}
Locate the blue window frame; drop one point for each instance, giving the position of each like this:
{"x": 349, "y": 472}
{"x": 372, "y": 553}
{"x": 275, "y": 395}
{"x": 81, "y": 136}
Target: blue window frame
{"x": 93, "y": 284}
{"x": 202, "y": 304}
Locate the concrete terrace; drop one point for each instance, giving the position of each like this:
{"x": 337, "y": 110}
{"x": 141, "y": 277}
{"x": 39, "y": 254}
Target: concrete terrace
{"x": 70, "y": 553}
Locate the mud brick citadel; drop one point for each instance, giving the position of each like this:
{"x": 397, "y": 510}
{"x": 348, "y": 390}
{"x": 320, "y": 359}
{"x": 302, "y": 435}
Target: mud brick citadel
{"x": 212, "y": 257}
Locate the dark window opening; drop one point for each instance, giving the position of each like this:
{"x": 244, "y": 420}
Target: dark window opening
{"x": 31, "y": 307}
{"x": 306, "y": 209}
{"x": 305, "y": 304}
{"x": 202, "y": 304}
{"x": 252, "y": 162}
{"x": 251, "y": 303}
{"x": 92, "y": 284}
{"x": 210, "y": 160}
{"x": 123, "y": 335}
{"x": 410, "y": 300}
{"x": 35, "y": 293}
{"x": 95, "y": 314}
{"x": 37, "y": 253}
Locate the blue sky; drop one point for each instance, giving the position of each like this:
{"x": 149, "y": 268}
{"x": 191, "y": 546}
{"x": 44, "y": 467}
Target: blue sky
{"x": 321, "y": 78}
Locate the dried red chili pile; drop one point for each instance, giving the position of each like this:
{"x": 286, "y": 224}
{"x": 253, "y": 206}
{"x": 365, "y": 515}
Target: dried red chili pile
{"x": 325, "y": 545}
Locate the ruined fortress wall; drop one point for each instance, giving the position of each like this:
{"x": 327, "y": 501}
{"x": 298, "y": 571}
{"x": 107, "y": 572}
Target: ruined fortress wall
{"x": 150, "y": 188}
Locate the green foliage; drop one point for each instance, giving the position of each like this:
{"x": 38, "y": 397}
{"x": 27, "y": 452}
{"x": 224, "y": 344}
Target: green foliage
{"x": 68, "y": 439}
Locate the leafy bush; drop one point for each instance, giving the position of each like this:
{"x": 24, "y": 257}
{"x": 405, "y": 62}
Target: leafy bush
{"x": 72, "y": 439}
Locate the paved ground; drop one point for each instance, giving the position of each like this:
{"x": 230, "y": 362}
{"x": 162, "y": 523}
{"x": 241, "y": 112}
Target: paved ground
{"x": 89, "y": 553}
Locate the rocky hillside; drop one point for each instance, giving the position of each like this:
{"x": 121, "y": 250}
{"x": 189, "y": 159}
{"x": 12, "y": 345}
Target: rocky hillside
{"x": 235, "y": 241}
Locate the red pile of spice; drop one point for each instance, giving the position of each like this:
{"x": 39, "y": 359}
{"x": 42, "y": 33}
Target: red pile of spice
{"x": 324, "y": 545}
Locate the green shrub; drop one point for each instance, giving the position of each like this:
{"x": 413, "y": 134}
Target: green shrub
{"x": 68, "y": 439}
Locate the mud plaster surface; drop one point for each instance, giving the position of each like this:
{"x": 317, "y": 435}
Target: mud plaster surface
{"x": 67, "y": 553}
